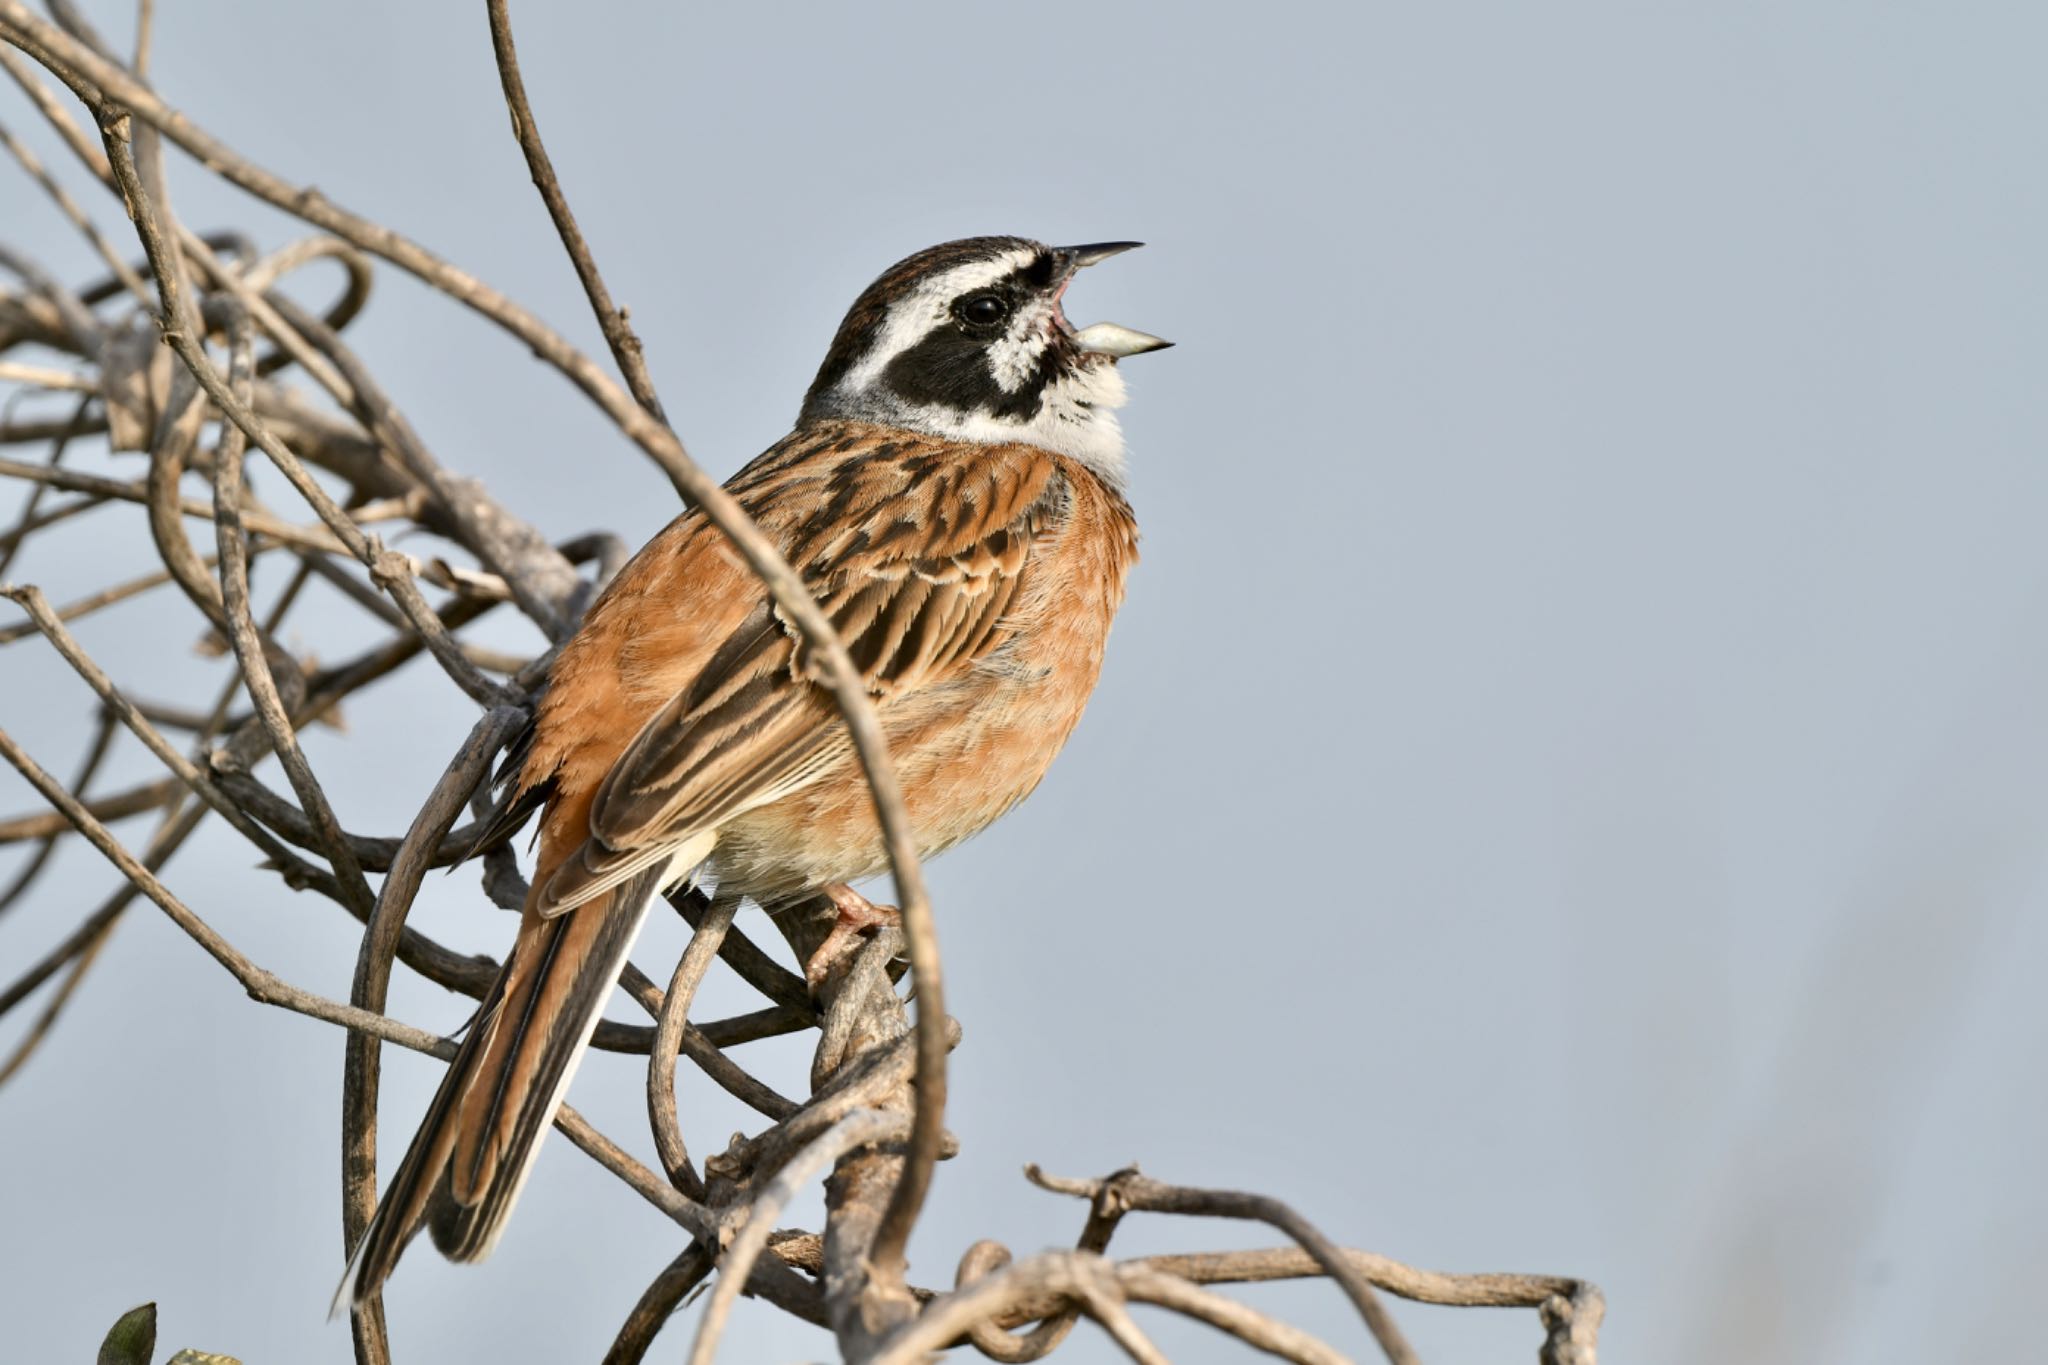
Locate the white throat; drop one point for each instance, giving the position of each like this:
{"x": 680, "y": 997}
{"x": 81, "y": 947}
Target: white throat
{"x": 1076, "y": 417}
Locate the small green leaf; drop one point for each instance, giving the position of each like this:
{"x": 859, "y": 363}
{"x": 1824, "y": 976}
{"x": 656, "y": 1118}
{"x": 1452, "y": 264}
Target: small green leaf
{"x": 201, "y": 1358}
{"x": 133, "y": 1339}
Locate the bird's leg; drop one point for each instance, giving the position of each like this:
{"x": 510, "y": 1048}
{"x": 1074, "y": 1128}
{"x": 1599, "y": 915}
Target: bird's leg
{"x": 857, "y": 916}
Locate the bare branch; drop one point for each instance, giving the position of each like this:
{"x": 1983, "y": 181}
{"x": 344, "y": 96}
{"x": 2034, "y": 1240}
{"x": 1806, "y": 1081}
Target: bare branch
{"x": 80, "y": 962}
{"x": 1140, "y": 1193}
{"x": 282, "y": 531}
{"x": 1422, "y": 1286}
{"x": 163, "y": 843}
{"x": 729, "y": 1075}
{"x": 119, "y": 806}
{"x": 95, "y": 754}
{"x": 744, "y": 956}
{"x": 188, "y": 775}
{"x": 618, "y": 332}
{"x": 33, "y": 165}
{"x": 668, "y": 1038}
{"x": 254, "y": 653}
{"x": 10, "y": 544}
{"x": 40, "y": 377}
{"x": 381, "y": 934}
{"x": 1076, "y": 1277}
{"x": 984, "y": 1258}
{"x": 657, "y": 1304}
{"x": 1143, "y": 1284}
{"x": 864, "y": 1128}
{"x": 685, "y": 1211}
{"x": 261, "y": 985}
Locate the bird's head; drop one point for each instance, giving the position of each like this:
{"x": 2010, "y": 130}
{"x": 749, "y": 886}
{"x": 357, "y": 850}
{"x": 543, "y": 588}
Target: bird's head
{"x": 967, "y": 341}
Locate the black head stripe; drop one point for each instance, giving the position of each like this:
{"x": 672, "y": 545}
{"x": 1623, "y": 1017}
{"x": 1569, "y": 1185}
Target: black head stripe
{"x": 864, "y": 320}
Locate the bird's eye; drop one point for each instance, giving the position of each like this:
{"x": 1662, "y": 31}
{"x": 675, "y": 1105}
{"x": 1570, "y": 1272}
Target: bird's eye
{"x": 983, "y": 310}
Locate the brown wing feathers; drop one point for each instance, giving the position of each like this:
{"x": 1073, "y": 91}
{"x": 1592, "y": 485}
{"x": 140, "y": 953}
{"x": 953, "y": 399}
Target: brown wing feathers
{"x": 916, "y": 577}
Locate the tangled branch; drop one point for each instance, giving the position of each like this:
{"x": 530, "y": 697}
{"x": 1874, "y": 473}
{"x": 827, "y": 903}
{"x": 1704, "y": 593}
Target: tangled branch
{"x": 196, "y": 362}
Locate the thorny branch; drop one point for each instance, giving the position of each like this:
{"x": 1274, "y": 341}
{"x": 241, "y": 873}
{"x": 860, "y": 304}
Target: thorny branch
{"x": 200, "y": 338}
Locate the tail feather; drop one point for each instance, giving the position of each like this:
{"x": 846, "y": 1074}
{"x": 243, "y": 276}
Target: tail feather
{"x": 476, "y": 1146}
{"x": 496, "y": 1142}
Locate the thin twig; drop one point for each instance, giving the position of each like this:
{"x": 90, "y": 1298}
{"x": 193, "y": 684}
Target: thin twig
{"x": 657, "y": 1304}
{"x": 873, "y": 1077}
{"x": 261, "y": 985}
{"x": 747, "y": 958}
{"x": 80, "y": 963}
{"x": 182, "y": 768}
{"x": 381, "y": 934}
{"x": 145, "y": 20}
{"x": 77, "y": 65}
{"x": 253, "y": 652}
{"x": 95, "y": 754}
{"x": 1135, "y": 1191}
{"x": 81, "y": 949}
{"x": 1076, "y": 1277}
{"x": 668, "y": 1038}
{"x": 42, "y": 377}
{"x": 729, "y": 1075}
{"x": 685, "y": 1211}
{"x": 538, "y": 576}
{"x": 1143, "y": 1284}
{"x": 618, "y": 330}
{"x": 1396, "y": 1277}
{"x": 303, "y": 537}
{"x": 10, "y": 544}
{"x": 33, "y": 164}
{"x": 92, "y": 602}
{"x": 994, "y": 1339}
{"x": 389, "y": 571}
{"x": 119, "y": 805}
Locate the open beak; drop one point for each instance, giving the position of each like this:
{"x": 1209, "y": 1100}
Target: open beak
{"x": 1105, "y": 338}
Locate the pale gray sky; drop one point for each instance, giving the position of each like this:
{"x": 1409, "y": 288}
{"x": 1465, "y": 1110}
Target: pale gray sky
{"x": 1568, "y": 790}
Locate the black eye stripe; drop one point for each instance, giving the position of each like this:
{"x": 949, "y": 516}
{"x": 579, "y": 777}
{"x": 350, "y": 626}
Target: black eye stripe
{"x": 864, "y": 321}
{"x": 949, "y": 369}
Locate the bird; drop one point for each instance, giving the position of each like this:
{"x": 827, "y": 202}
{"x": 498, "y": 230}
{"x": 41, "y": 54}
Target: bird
{"x": 953, "y": 494}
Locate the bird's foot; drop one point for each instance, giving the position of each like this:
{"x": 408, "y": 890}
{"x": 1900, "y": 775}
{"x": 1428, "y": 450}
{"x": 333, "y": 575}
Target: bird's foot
{"x": 858, "y": 916}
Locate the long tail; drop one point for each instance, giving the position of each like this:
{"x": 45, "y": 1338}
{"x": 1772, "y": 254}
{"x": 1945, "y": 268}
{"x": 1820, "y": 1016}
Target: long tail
{"x": 477, "y": 1144}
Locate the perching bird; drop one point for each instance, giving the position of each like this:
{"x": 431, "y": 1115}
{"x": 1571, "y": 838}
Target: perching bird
{"x": 953, "y": 495}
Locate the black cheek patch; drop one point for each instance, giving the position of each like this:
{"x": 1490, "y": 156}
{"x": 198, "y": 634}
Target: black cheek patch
{"x": 950, "y": 369}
